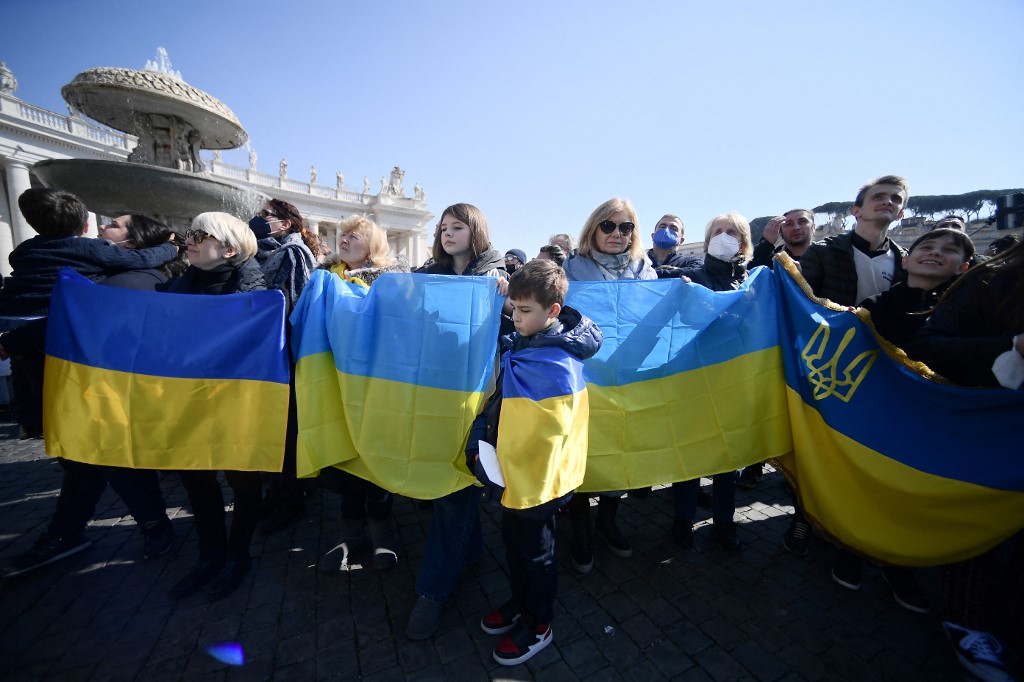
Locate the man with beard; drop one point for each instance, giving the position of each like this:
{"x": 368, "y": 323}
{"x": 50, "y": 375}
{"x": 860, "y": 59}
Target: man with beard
{"x": 796, "y": 226}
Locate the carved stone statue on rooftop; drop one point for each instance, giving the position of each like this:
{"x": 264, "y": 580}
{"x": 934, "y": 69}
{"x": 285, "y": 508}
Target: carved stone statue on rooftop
{"x": 252, "y": 159}
{"x": 366, "y": 185}
{"x": 312, "y": 175}
{"x": 837, "y": 222}
{"x": 216, "y": 156}
{"x": 340, "y": 179}
{"x": 418, "y": 192}
{"x": 282, "y": 168}
{"x": 8, "y": 83}
{"x": 383, "y": 185}
{"x": 395, "y": 185}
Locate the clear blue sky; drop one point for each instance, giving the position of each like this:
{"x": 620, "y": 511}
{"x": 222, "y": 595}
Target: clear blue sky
{"x": 538, "y": 111}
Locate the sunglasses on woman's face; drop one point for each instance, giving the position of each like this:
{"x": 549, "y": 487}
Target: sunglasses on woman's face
{"x": 266, "y": 214}
{"x": 608, "y": 226}
{"x": 197, "y": 236}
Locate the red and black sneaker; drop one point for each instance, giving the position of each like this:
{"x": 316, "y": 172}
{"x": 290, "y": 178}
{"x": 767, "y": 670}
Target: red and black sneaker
{"x": 500, "y": 620}
{"x": 522, "y": 643}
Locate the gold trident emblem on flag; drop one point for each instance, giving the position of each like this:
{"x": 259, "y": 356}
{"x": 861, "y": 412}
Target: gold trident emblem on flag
{"x": 824, "y": 377}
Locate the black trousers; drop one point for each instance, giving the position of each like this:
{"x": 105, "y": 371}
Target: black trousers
{"x": 532, "y": 570}
{"x": 84, "y": 484}
{"x": 207, "y": 501}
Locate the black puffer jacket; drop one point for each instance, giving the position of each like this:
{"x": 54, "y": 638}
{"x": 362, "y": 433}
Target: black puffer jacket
{"x": 717, "y": 274}
{"x": 488, "y": 263}
{"x": 829, "y": 268}
{"x": 224, "y": 279}
{"x": 580, "y": 337}
{"x": 37, "y": 261}
{"x": 893, "y": 311}
{"x": 765, "y": 252}
{"x": 970, "y": 329}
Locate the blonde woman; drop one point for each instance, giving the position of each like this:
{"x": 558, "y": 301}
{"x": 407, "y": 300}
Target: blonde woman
{"x": 610, "y": 246}
{"x": 362, "y": 255}
{"x": 221, "y": 250}
{"x": 727, "y": 249}
{"x": 609, "y": 249}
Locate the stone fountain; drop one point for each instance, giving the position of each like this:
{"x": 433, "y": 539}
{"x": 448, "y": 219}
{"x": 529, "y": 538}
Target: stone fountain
{"x": 163, "y": 176}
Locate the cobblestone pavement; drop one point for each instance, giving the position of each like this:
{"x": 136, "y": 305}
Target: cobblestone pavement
{"x": 665, "y": 613}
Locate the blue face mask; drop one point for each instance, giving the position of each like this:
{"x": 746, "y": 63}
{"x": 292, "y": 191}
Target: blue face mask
{"x": 259, "y": 226}
{"x": 666, "y": 238}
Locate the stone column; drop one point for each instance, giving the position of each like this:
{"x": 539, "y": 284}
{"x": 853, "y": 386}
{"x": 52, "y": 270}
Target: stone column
{"x": 17, "y": 182}
{"x": 6, "y": 234}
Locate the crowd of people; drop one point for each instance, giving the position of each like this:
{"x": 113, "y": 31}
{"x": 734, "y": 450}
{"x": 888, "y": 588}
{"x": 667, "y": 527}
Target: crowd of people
{"x": 960, "y": 312}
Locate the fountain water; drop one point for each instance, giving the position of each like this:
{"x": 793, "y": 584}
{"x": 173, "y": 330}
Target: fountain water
{"x": 163, "y": 176}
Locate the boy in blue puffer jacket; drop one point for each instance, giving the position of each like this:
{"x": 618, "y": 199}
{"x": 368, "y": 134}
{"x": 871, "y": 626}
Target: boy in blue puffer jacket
{"x": 538, "y": 421}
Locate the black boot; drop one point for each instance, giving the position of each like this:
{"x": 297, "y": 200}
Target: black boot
{"x": 581, "y": 549}
{"x": 205, "y": 571}
{"x": 230, "y": 578}
{"x": 607, "y": 510}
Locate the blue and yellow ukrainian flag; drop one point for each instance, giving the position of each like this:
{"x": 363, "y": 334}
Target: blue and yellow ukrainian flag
{"x": 390, "y": 378}
{"x": 688, "y": 382}
{"x": 887, "y": 460}
{"x": 543, "y": 428}
{"x": 165, "y": 381}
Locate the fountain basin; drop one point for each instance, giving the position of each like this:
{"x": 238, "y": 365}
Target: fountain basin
{"x": 125, "y": 99}
{"x": 114, "y": 188}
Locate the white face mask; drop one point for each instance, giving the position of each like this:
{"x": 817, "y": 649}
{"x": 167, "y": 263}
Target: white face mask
{"x": 723, "y": 246}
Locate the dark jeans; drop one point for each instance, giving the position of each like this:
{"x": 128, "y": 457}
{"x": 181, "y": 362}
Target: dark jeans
{"x": 359, "y": 497}
{"x": 27, "y": 382}
{"x": 723, "y": 499}
{"x": 532, "y": 569}
{"x": 454, "y": 539}
{"x": 987, "y": 592}
{"x": 285, "y": 491}
{"x": 207, "y": 501}
{"x": 83, "y": 485}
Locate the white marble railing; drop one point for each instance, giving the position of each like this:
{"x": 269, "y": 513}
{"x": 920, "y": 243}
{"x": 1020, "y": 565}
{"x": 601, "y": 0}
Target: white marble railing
{"x": 44, "y": 117}
{"x": 233, "y": 172}
{"x": 77, "y": 127}
{"x": 226, "y": 170}
{"x": 105, "y": 136}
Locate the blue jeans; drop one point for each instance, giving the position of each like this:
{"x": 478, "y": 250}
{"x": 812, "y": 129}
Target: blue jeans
{"x": 723, "y": 499}
{"x": 454, "y": 539}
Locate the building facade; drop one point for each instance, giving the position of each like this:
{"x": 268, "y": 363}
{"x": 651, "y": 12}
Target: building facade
{"x": 30, "y": 134}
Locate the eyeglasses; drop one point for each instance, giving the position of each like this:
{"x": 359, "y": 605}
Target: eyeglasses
{"x": 198, "y": 236}
{"x": 267, "y": 214}
{"x": 608, "y": 226}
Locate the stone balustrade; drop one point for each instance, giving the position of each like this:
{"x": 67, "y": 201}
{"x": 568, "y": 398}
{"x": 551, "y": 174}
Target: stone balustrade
{"x": 232, "y": 172}
{"x": 66, "y": 124}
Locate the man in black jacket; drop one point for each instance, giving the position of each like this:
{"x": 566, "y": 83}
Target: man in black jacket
{"x": 796, "y": 227}
{"x": 849, "y": 267}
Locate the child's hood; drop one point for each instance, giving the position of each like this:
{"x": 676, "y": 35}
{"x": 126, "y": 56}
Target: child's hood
{"x": 579, "y": 335}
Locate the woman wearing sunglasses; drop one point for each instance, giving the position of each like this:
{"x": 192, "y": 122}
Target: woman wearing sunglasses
{"x": 287, "y": 252}
{"x": 609, "y": 249}
{"x": 727, "y": 249}
{"x": 220, "y": 252}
